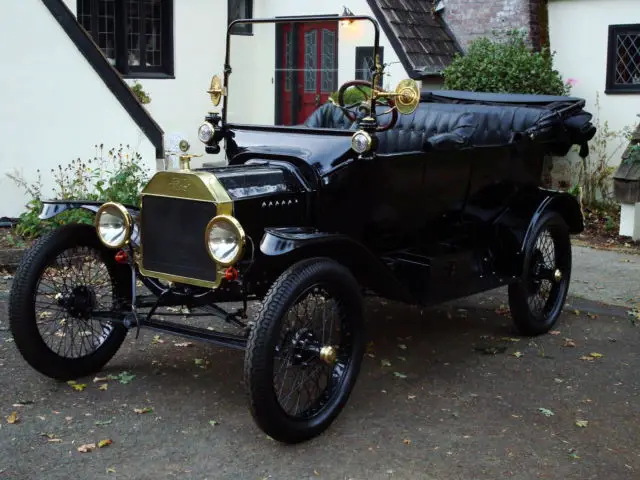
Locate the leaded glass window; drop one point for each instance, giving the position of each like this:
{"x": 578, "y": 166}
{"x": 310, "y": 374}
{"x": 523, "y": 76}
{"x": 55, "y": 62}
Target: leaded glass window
{"x": 310, "y": 60}
{"x": 623, "y": 72}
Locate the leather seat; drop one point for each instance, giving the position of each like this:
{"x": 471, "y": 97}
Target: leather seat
{"x": 329, "y": 116}
{"x": 442, "y": 126}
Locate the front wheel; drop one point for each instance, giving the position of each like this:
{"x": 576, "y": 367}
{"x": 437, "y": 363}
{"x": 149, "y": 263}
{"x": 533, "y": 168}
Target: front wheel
{"x": 536, "y": 301}
{"x": 305, "y": 351}
{"x": 62, "y": 283}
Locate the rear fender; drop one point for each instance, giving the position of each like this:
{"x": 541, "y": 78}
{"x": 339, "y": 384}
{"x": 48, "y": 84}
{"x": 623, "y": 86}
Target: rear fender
{"x": 514, "y": 226}
{"x": 289, "y": 245}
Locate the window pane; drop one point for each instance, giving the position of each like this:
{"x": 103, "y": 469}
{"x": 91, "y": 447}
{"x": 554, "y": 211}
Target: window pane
{"x": 153, "y": 32}
{"x": 239, "y": 9}
{"x": 288, "y": 59}
{"x": 627, "y": 59}
{"x": 107, "y": 29}
{"x": 84, "y": 14}
{"x": 310, "y": 60}
{"x": 328, "y": 73}
{"x": 133, "y": 32}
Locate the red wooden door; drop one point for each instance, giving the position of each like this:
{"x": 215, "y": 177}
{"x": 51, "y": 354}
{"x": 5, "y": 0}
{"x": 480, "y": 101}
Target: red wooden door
{"x": 310, "y": 69}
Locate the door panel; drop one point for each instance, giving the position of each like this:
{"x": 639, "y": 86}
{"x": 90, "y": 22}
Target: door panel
{"x": 309, "y": 56}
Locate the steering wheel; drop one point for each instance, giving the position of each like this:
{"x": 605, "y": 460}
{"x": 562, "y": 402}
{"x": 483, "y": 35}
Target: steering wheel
{"x": 364, "y": 104}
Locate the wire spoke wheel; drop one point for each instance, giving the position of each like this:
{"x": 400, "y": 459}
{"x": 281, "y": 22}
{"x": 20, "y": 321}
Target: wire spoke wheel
{"x": 537, "y": 300}
{"x": 64, "y": 301}
{"x": 305, "y": 351}
{"x": 74, "y": 285}
{"x": 304, "y": 381}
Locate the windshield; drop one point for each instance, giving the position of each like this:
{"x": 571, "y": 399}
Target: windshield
{"x": 289, "y": 71}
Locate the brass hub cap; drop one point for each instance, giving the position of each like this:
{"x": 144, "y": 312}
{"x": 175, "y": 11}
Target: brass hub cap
{"x": 557, "y": 275}
{"x": 328, "y": 354}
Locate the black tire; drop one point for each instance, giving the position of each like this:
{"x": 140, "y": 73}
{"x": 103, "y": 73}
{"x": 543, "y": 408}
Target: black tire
{"x": 538, "y": 271}
{"x": 305, "y": 277}
{"x": 23, "y": 302}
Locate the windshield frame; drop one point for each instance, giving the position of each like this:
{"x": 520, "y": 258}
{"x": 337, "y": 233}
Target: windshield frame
{"x": 292, "y": 19}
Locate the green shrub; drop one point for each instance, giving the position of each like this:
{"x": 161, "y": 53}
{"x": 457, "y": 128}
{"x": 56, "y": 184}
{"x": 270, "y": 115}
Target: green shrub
{"x": 505, "y": 64}
{"x": 116, "y": 177}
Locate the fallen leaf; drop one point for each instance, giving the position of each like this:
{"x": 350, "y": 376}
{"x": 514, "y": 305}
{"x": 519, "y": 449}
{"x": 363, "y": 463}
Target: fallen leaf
{"x": 213, "y": 423}
{"x": 111, "y": 470}
{"x": 596, "y": 355}
{"x": 13, "y": 418}
{"x": 404, "y": 359}
{"x": 101, "y": 423}
{"x": 104, "y": 443}
{"x": 406, "y": 441}
{"x": 576, "y": 311}
{"x": 411, "y": 397}
{"x": 582, "y": 423}
{"x": 510, "y": 339}
{"x": 24, "y": 402}
{"x": 385, "y": 363}
{"x": 402, "y": 346}
{"x": 87, "y": 447}
{"x": 316, "y": 473}
{"x": 54, "y": 440}
{"x": 102, "y": 379}
{"x": 555, "y": 332}
{"x": 399, "y": 375}
{"x": 198, "y": 361}
{"x": 78, "y": 387}
{"x": 558, "y": 380}
{"x": 143, "y": 410}
{"x": 546, "y": 412}
{"x": 103, "y": 386}
{"x": 124, "y": 377}
{"x": 592, "y": 315}
{"x": 517, "y": 354}
{"x": 573, "y": 454}
{"x": 568, "y": 342}
{"x": 588, "y": 359}
{"x": 183, "y": 344}
{"x": 502, "y": 310}
{"x": 157, "y": 339}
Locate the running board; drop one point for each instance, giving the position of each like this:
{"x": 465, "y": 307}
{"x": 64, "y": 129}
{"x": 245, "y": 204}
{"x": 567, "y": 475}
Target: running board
{"x": 217, "y": 338}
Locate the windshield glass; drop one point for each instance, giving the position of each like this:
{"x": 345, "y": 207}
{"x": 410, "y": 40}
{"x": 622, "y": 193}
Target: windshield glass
{"x": 288, "y": 73}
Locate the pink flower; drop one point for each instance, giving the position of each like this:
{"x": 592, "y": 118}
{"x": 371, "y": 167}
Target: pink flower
{"x": 572, "y": 81}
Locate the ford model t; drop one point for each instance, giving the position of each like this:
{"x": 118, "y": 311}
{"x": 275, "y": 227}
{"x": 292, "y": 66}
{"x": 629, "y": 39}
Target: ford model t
{"x": 419, "y": 197}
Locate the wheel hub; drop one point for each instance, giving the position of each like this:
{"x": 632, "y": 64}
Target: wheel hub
{"x": 80, "y": 302}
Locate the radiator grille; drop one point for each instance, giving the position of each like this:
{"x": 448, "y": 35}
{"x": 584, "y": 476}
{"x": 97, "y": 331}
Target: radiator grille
{"x": 172, "y": 235}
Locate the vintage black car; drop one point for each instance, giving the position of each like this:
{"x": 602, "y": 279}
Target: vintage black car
{"x": 419, "y": 197}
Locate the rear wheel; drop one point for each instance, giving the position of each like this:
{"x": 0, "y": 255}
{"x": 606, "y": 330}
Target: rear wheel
{"x": 536, "y": 301}
{"x": 61, "y": 282}
{"x": 305, "y": 351}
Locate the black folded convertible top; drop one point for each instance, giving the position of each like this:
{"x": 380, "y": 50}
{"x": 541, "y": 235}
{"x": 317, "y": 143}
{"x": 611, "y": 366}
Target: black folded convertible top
{"x": 459, "y": 96}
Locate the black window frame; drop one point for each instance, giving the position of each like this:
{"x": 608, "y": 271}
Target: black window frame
{"x": 166, "y": 70}
{"x": 367, "y": 51}
{"x": 243, "y": 28}
{"x": 612, "y": 55}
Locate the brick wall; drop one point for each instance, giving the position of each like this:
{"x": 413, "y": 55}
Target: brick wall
{"x": 469, "y": 19}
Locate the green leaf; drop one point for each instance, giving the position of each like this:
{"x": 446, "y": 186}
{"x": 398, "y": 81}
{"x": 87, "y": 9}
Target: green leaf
{"x": 399, "y": 375}
{"x": 546, "y": 412}
{"x": 582, "y": 423}
{"x": 213, "y": 423}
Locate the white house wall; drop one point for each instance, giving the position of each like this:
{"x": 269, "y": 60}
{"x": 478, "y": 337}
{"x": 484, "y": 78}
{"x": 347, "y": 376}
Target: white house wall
{"x": 579, "y": 34}
{"x": 55, "y": 108}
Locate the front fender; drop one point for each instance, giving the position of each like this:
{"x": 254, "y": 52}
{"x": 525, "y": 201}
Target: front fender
{"x": 293, "y": 244}
{"x": 52, "y": 208}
